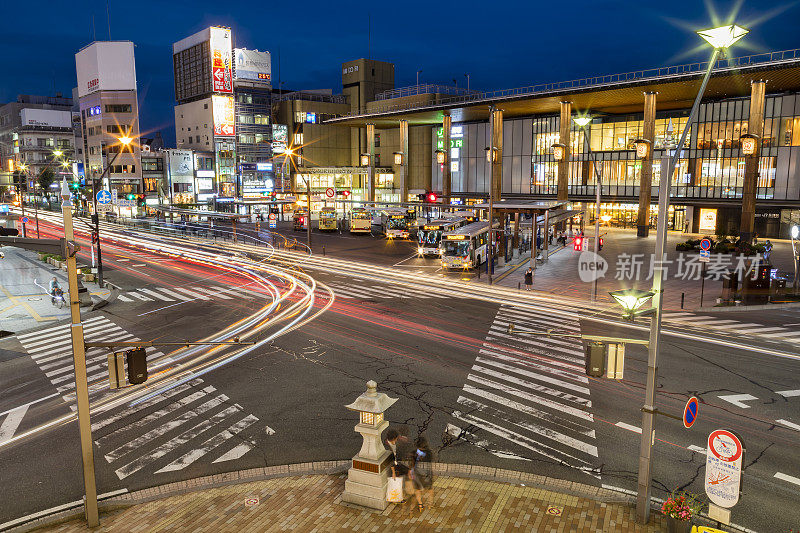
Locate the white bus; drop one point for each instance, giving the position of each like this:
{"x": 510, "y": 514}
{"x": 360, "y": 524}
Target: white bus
{"x": 396, "y": 224}
{"x": 466, "y": 247}
{"x": 429, "y": 234}
{"x": 360, "y": 220}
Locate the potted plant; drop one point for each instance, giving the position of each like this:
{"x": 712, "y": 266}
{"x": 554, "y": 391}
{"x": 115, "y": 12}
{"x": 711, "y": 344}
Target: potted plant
{"x": 679, "y": 508}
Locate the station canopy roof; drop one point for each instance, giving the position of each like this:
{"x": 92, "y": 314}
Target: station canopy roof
{"x": 676, "y": 86}
{"x": 523, "y": 205}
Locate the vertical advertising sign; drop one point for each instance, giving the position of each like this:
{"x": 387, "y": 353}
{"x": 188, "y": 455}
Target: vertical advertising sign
{"x": 280, "y": 138}
{"x": 223, "y": 110}
{"x": 221, "y": 73}
{"x": 723, "y": 468}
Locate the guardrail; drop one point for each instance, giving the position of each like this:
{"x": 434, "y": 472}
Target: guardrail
{"x": 585, "y": 83}
{"x": 423, "y": 88}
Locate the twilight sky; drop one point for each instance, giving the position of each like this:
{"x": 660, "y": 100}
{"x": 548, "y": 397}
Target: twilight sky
{"x": 500, "y": 44}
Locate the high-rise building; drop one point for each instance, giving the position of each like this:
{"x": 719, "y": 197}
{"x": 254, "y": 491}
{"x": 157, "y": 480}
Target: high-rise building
{"x": 252, "y": 87}
{"x": 109, "y": 115}
{"x": 205, "y": 114}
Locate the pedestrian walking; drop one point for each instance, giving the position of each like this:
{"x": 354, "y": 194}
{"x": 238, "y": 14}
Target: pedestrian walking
{"x": 528, "y": 279}
{"x": 422, "y": 472}
{"x": 767, "y": 250}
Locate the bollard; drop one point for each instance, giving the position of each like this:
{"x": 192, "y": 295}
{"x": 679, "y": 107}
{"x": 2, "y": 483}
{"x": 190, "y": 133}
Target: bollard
{"x": 682, "y": 296}
{"x": 323, "y": 250}
{"x": 518, "y": 286}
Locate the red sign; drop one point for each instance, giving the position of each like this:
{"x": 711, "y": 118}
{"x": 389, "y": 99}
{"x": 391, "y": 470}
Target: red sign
{"x": 330, "y": 192}
{"x": 725, "y": 446}
{"x": 690, "y": 412}
{"x": 222, "y": 80}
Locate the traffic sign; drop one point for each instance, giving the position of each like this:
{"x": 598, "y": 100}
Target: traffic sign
{"x": 690, "y": 412}
{"x": 272, "y": 216}
{"x": 103, "y": 197}
{"x": 724, "y": 454}
{"x": 705, "y": 256}
{"x": 4, "y": 208}
{"x": 705, "y": 244}
{"x": 330, "y": 192}
{"x": 24, "y": 220}
{"x": 272, "y": 223}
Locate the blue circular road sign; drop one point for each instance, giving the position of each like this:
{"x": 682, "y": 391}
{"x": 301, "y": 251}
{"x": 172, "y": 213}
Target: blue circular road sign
{"x": 690, "y": 412}
{"x": 25, "y": 220}
{"x": 705, "y": 244}
{"x": 103, "y": 197}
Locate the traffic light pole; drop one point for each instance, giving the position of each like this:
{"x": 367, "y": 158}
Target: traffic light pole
{"x": 97, "y": 219}
{"x": 79, "y": 361}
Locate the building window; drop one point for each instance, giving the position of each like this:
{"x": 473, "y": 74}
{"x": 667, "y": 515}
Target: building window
{"x": 116, "y": 128}
{"x": 118, "y": 108}
{"x": 205, "y": 106}
{"x": 298, "y": 138}
{"x": 246, "y": 138}
{"x": 245, "y": 119}
{"x": 377, "y": 140}
{"x": 122, "y": 169}
{"x": 197, "y": 137}
{"x": 261, "y": 119}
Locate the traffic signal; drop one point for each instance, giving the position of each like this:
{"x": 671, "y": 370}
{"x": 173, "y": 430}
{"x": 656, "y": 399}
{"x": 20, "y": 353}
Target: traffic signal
{"x": 577, "y": 244}
{"x": 137, "y": 365}
{"x": 74, "y": 185}
{"x": 131, "y": 196}
{"x": 140, "y": 200}
{"x": 601, "y": 244}
{"x": 431, "y": 197}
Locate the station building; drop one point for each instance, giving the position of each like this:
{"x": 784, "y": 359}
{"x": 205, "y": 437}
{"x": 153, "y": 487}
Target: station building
{"x": 752, "y": 95}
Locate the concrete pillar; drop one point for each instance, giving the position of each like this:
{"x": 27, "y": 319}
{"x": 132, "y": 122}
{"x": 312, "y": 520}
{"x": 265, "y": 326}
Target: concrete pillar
{"x": 404, "y": 167}
{"x": 497, "y": 166}
{"x": 446, "y": 184}
{"x": 371, "y": 168}
{"x": 646, "y": 173}
{"x": 756, "y": 127}
{"x": 565, "y": 127}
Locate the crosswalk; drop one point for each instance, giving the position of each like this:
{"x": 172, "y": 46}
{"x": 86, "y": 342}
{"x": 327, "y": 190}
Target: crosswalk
{"x": 722, "y": 324}
{"x": 358, "y": 288}
{"x": 167, "y": 432}
{"x": 189, "y": 293}
{"x": 527, "y": 396}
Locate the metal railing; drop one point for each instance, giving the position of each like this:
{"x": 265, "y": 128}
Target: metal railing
{"x": 423, "y": 88}
{"x": 654, "y": 74}
{"x": 312, "y": 97}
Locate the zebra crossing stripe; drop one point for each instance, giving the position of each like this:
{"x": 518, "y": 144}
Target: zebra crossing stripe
{"x": 533, "y": 386}
{"x": 234, "y": 453}
{"x": 157, "y": 295}
{"x": 140, "y": 296}
{"x": 173, "y": 444}
{"x": 230, "y": 291}
{"x": 124, "y": 298}
{"x": 208, "y": 445}
{"x": 100, "y": 424}
{"x": 12, "y": 422}
{"x": 57, "y": 330}
{"x": 212, "y": 293}
{"x": 192, "y": 293}
{"x": 65, "y": 337}
{"x": 534, "y": 375}
{"x": 174, "y": 294}
{"x": 538, "y": 365}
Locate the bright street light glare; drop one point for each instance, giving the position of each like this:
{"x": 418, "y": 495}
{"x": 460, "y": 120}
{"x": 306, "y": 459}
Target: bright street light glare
{"x": 795, "y": 231}
{"x": 125, "y": 140}
{"x": 582, "y": 121}
{"x": 58, "y": 153}
{"x": 723, "y": 36}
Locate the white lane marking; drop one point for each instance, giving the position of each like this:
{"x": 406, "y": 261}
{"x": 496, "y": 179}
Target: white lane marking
{"x": 193, "y": 294}
{"x": 157, "y": 295}
{"x": 140, "y": 296}
{"x": 212, "y": 293}
{"x": 138, "y": 265}
{"x": 537, "y": 363}
{"x": 483, "y": 443}
{"x": 788, "y": 393}
{"x": 737, "y": 399}
{"x": 355, "y": 293}
{"x": 30, "y": 403}
{"x": 12, "y": 422}
{"x": 534, "y": 375}
{"x": 177, "y": 295}
{"x": 694, "y": 448}
{"x": 629, "y": 427}
{"x": 56, "y": 331}
{"x": 123, "y": 298}
{"x": 215, "y": 441}
{"x": 228, "y": 290}
{"x": 236, "y": 452}
{"x": 172, "y": 445}
{"x": 787, "y": 334}
{"x": 786, "y": 477}
{"x": 149, "y": 403}
{"x": 561, "y": 395}
{"x": 168, "y": 426}
{"x": 789, "y": 424}
{"x": 244, "y": 291}
{"x": 121, "y": 259}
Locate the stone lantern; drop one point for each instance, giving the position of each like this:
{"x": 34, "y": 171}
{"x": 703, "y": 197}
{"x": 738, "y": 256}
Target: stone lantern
{"x": 367, "y": 477}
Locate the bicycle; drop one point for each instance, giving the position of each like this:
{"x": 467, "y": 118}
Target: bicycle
{"x": 57, "y": 298}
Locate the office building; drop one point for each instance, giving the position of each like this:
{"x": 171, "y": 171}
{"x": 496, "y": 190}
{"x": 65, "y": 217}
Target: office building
{"x": 108, "y": 107}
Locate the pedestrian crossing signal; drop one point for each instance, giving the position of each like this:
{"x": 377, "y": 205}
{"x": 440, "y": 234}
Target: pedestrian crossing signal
{"x": 137, "y": 365}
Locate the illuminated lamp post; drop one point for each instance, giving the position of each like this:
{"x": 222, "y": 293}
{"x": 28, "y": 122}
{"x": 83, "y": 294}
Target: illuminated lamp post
{"x": 631, "y": 300}
{"x": 559, "y": 151}
{"x": 795, "y": 234}
{"x": 491, "y": 158}
{"x": 368, "y": 474}
{"x": 582, "y": 122}
{"x": 749, "y": 144}
{"x": 398, "y": 158}
{"x": 643, "y": 147}
{"x": 719, "y": 38}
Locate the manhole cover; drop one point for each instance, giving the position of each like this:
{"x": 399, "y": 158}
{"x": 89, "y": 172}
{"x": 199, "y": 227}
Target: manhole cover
{"x": 552, "y": 510}
{"x": 250, "y": 502}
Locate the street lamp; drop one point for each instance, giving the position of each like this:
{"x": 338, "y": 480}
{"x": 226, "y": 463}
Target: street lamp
{"x": 582, "y": 121}
{"x": 365, "y": 160}
{"x": 491, "y": 154}
{"x": 643, "y": 147}
{"x": 631, "y": 300}
{"x": 559, "y": 151}
{"x": 719, "y": 38}
{"x": 398, "y": 158}
{"x": 440, "y": 156}
{"x": 795, "y": 233}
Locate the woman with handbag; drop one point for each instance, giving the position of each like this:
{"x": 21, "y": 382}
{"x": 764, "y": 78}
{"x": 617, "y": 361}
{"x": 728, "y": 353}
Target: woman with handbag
{"x": 422, "y": 472}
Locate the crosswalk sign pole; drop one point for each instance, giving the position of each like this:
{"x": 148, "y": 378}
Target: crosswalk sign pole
{"x": 79, "y": 360}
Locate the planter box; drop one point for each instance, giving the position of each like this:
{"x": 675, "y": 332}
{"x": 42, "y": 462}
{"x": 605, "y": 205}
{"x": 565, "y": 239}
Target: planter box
{"x": 88, "y": 278}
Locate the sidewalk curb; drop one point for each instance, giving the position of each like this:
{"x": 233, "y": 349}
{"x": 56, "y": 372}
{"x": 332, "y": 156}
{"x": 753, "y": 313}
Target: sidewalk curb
{"x": 323, "y": 468}
{"x": 734, "y": 308}
{"x": 111, "y": 297}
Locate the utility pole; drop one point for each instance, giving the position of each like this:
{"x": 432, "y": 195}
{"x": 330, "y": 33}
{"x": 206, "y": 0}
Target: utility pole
{"x": 490, "y": 264}
{"x": 79, "y": 361}
{"x": 308, "y": 225}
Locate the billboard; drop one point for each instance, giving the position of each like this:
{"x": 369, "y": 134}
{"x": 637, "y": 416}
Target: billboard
{"x": 280, "y": 138}
{"x": 222, "y": 107}
{"x": 106, "y": 66}
{"x": 46, "y": 117}
{"x": 221, "y": 65}
{"x": 181, "y": 166}
{"x": 252, "y": 65}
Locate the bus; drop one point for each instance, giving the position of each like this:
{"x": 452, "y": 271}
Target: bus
{"x": 327, "y": 219}
{"x": 396, "y": 224}
{"x": 300, "y": 219}
{"x": 466, "y": 247}
{"x": 466, "y": 214}
{"x": 429, "y": 234}
{"x": 360, "y": 220}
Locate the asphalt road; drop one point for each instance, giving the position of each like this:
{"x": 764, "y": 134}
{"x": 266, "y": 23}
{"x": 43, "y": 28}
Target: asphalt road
{"x": 480, "y": 394}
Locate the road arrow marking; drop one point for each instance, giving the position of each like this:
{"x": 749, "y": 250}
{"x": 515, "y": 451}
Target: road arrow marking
{"x": 785, "y": 477}
{"x": 697, "y": 449}
{"x": 788, "y": 424}
{"x": 11, "y": 423}
{"x": 737, "y": 399}
{"x": 788, "y": 393}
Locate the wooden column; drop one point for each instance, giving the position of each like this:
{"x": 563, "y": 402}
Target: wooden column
{"x": 646, "y": 173}
{"x": 497, "y": 167}
{"x": 565, "y": 124}
{"x": 756, "y": 127}
{"x": 404, "y": 167}
{"x": 446, "y": 183}
{"x": 371, "y": 168}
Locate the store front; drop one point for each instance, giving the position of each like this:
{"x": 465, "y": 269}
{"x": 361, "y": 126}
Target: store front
{"x": 624, "y": 215}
